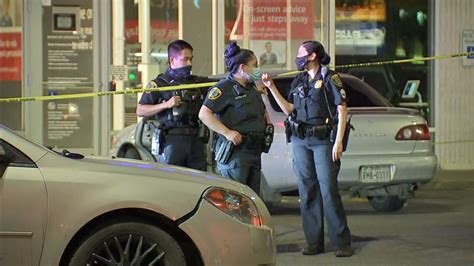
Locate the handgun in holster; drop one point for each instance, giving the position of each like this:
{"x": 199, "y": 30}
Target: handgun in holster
{"x": 157, "y": 137}
{"x": 268, "y": 137}
{"x": 224, "y": 150}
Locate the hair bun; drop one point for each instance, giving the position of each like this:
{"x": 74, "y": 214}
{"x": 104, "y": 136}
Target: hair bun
{"x": 231, "y": 50}
{"x": 325, "y": 59}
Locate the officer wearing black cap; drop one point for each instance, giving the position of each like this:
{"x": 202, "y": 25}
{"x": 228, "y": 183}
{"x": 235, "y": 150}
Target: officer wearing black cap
{"x": 240, "y": 118}
{"x": 177, "y": 110}
{"x": 317, "y": 103}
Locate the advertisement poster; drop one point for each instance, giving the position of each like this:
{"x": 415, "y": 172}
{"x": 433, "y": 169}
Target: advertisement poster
{"x": 11, "y": 49}
{"x": 268, "y": 20}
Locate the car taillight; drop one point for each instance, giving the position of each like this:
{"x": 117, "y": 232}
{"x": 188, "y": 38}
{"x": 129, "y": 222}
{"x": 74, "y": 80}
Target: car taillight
{"x": 413, "y": 132}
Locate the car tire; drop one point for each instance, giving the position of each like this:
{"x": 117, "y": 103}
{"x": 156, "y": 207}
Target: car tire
{"x": 386, "y": 203}
{"x": 132, "y": 154}
{"x": 108, "y": 246}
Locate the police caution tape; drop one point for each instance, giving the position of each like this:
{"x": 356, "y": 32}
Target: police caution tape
{"x": 429, "y": 58}
{"x": 209, "y": 84}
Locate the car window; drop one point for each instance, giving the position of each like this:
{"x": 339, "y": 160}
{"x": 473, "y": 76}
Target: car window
{"x": 356, "y": 98}
{"x": 16, "y": 156}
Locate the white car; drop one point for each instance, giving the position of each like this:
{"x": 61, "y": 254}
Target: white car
{"x": 67, "y": 209}
{"x": 390, "y": 152}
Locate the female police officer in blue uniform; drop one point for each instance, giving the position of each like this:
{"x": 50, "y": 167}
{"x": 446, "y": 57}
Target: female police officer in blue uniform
{"x": 240, "y": 117}
{"x": 314, "y": 95}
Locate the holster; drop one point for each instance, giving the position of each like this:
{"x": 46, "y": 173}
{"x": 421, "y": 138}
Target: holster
{"x": 268, "y": 138}
{"x": 223, "y": 150}
{"x": 294, "y": 128}
{"x": 157, "y": 137}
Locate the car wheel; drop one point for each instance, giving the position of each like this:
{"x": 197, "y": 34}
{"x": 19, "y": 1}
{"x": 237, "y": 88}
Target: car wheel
{"x": 132, "y": 154}
{"x": 129, "y": 243}
{"x": 386, "y": 204}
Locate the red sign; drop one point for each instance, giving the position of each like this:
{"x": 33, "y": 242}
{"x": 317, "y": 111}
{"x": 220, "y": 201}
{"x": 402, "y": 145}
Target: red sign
{"x": 10, "y": 56}
{"x": 268, "y": 19}
{"x": 160, "y": 31}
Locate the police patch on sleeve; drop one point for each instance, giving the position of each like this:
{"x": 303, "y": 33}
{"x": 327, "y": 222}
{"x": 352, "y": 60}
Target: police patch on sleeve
{"x": 214, "y": 93}
{"x": 337, "y": 80}
{"x": 151, "y": 85}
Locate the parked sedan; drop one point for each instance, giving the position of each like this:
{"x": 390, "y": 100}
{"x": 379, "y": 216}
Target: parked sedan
{"x": 389, "y": 154}
{"x": 67, "y": 209}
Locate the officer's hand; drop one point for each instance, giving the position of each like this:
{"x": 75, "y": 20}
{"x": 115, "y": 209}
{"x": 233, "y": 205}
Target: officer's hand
{"x": 267, "y": 81}
{"x": 174, "y": 101}
{"x": 337, "y": 151}
{"x": 234, "y": 136}
{"x": 260, "y": 87}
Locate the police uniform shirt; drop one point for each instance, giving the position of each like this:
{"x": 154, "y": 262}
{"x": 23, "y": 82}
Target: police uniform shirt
{"x": 238, "y": 108}
{"x": 156, "y": 97}
{"x": 309, "y": 99}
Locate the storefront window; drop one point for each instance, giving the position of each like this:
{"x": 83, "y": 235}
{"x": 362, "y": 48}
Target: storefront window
{"x": 380, "y": 30}
{"x": 11, "y": 49}
{"x": 164, "y": 29}
{"x": 272, "y": 28}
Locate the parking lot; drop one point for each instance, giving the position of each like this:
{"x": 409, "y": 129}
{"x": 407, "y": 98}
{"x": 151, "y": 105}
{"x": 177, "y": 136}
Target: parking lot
{"x": 435, "y": 228}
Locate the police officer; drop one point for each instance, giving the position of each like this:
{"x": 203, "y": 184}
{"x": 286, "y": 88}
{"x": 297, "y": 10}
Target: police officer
{"x": 177, "y": 110}
{"x": 316, "y": 99}
{"x": 240, "y": 117}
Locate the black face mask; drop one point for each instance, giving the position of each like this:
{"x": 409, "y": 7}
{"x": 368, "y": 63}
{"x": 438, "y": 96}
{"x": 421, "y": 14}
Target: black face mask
{"x": 301, "y": 62}
{"x": 180, "y": 73}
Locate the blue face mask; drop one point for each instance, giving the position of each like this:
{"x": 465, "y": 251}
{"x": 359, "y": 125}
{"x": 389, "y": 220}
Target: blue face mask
{"x": 301, "y": 62}
{"x": 180, "y": 73}
{"x": 255, "y": 75}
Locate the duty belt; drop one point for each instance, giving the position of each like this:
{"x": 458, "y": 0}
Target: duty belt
{"x": 320, "y": 132}
{"x": 302, "y": 130}
{"x": 186, "y": 131}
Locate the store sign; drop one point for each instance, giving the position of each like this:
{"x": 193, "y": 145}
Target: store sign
{"x": 10, "y": 56}
{"x": 119, "y": 72}
{"x": 359, "y": 38}
{"x": 67, "y": 69}
{"x": 468, "y": 47}
{"x": 269, "y": 20}
{"x": 160, "y": 31}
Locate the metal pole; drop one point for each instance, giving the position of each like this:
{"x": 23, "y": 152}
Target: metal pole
{"x": 144, "y": 33}
{"x": 118, "y": 37}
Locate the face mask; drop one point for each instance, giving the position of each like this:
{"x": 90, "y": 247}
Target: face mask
{"x": 255, "y": 75}
{"x": 181, "y": 73}
{"x": 301, "y": 62}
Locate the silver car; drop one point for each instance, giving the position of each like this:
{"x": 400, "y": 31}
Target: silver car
{"x": 389, "y": 155}
{"x": 67, "y": 209}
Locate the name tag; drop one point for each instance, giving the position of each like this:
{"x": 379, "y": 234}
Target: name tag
{"x": 240, "y": 96}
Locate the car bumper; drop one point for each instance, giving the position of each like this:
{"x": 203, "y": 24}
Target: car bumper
{"x": 415, "y": 169}
{"x": 222, "y": 240}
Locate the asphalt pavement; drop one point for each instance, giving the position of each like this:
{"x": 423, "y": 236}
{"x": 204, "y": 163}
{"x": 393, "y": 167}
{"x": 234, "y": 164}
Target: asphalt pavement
{"x": 436, "y": 227}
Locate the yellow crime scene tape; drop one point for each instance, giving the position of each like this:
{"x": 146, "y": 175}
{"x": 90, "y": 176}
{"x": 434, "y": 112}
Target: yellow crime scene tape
{"x": 208, "y": 84}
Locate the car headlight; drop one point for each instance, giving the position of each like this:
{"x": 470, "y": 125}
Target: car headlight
{"x": 234, "y": 204}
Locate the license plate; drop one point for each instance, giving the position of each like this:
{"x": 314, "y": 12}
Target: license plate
{"x": 376, "y": 173}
